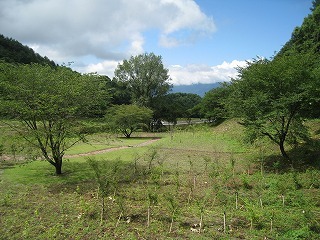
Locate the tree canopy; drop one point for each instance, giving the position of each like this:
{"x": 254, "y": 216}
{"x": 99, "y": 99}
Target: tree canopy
{"x": 212, "y": 105}
{"x": 128, "y": 118}
{"x": 176, "y": 105}
{"x": 271, "y": 97}
{"x": 146, "y": 78}
{"x": 48, "y": 102}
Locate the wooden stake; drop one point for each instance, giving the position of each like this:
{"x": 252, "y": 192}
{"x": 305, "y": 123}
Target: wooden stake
{"x": 237, "y": 200}
{"x": 189, "y": 196}
{"x": 102, "y": 210}
{"x": 200, "y": 224}
{"x": 224, "y": 222}
{"x": 148, "y": 222}
{"x": 171, "y": 224}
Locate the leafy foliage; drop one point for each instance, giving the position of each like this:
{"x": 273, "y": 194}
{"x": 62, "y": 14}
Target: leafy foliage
{"x": 271, "y": 97}
{"x": 120, "y": 94}
{"x": 212, "y": 106}
{"x": 128, "y": 118}
{"x": 48, "y": 103}
{"x": 176, "y": 105}
{"x": 146, "y": 78}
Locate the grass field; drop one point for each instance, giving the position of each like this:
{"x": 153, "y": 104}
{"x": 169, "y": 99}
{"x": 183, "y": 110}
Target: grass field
{"x": 199, "y": 182}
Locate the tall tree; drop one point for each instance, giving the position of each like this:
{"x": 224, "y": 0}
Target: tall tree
{"x": 146, "y": 77}
{"x": 119, "y": 91}
{"x": 271, "y": 97}
{"x": 48, "y": 103}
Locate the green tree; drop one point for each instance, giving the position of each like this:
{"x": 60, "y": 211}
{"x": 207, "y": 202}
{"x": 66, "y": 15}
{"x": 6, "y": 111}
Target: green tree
{"x": 271, "y": 97}
{"x": 120, "y": 94}
{"x": 315, "y": 4}
{"x": 176, "y": 105}
{"x": 146, "y": 78}
{"x": 305, "y": 39}
{"x": 48, "y": 103}
{"x": 128, "y": 118}
{"x": 212, "y": 105}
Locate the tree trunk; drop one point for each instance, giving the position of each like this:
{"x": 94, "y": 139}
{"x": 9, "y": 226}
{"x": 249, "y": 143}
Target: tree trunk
{"x": 283, "y": 152}
{"x": 58, "y": 166}
{"x": 148, "y": 218}
{"x": 127, "y": 133}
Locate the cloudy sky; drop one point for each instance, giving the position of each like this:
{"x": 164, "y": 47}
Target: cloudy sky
{"x": 200, "y": 41}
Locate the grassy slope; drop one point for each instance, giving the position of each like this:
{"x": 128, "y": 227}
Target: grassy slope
{"x": 202, "y": 168}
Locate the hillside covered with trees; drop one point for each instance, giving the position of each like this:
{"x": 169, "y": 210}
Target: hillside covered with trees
{"x": 13, "y": 51}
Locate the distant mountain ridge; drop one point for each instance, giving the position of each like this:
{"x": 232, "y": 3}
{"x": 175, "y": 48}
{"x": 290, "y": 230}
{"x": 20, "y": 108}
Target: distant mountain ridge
{"x": 199, "y": 88}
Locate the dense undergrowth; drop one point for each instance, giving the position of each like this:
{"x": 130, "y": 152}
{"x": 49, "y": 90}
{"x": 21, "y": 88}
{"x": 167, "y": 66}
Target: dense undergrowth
{"x": 196, "y": 183}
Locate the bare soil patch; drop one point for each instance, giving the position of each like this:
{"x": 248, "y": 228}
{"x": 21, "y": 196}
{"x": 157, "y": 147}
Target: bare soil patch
{"x": 112, "y": 149}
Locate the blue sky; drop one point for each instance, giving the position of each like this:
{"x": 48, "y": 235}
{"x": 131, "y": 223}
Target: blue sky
{"x": 200, "y": 41}
{"x": 244, "y": 29}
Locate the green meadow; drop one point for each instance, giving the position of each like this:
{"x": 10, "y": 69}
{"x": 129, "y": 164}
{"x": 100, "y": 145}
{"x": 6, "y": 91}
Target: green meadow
{"x": 196, "y": 182}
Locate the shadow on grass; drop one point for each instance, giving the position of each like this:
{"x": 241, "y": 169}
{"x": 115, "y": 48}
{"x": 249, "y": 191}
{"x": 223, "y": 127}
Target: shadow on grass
{"x": 302, "y": 157}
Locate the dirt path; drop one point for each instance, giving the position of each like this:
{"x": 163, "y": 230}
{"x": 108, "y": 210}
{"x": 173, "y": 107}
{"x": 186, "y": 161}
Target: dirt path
{"x": 111, "y": 149}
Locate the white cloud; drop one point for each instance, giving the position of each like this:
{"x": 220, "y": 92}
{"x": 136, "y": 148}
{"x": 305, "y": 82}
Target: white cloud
{"x": 103, "y": 68}
{"x": 192, "y": 74}
{"x": 136, "y": 47}
{"x": 98, "y": 34}
{"x": 180, "y": 75}
{"x": 187, "y": 14}
{"x": 107, "y": 29}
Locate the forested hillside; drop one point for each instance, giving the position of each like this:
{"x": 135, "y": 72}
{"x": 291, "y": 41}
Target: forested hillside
{"x": 13, "y": 51}
{"x": 306, "y": 38}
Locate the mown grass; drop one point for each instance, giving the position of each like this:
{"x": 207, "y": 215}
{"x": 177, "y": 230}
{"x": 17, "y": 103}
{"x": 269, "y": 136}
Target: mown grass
{"x": 202, "y": 169}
